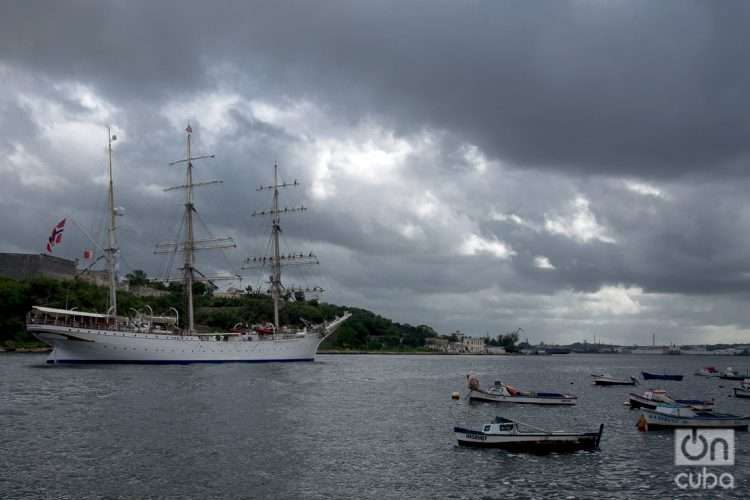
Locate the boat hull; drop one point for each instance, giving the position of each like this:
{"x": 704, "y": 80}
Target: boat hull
{"x": 651, "y": 420}
{"x": 741, "y": 393}
{"x": 565, "y": 400}
{"x": 635, "y": 401}
{"x": 613, "y": 382}
{"x": 529, "y": 442}
{"x": 656, "y": 376}
{"x": 79, "y": 345}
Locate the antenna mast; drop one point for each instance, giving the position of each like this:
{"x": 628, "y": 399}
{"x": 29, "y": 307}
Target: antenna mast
{"x": 111, "y": 250}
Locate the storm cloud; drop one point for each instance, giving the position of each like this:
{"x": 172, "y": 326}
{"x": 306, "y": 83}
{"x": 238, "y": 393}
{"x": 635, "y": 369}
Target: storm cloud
{"x": 573, "y": 168}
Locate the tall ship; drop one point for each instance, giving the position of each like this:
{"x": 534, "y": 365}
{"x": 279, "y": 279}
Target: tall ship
{"x": 91, "y": 337}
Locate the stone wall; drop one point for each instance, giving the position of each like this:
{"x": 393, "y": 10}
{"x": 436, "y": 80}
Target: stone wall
{"x": 24, "y": 265}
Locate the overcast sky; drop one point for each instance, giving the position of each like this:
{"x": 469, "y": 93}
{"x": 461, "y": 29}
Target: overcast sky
{"x": 572, "y": 168}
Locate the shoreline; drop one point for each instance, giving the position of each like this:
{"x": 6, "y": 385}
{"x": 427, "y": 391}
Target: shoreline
{"x": 26, "y": 350}
{"x": 410, "y": 353}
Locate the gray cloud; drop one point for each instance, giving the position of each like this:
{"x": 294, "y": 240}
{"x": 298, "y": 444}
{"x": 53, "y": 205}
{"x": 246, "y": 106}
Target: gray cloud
{"x": 444, "y": 148}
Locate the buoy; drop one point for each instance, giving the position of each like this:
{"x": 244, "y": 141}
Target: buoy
{"x": 455, "y": 395}
{"x": 642, "y": 424}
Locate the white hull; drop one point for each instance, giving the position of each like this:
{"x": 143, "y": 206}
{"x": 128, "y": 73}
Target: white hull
{"x": 499, "y": 398}
{"x": 464, "y": 436}
{"x": 657, "y": 420}
{"x": 529, "y": 442}
{"x": 80, "y": 345}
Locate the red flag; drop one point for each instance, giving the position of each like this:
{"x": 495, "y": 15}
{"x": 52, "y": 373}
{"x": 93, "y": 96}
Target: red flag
{"x": 56, "y": 237}
{"x": 189, "y": 129}
{"x": 88, "y": 254}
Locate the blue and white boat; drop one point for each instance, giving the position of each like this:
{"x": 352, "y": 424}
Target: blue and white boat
{"x": 503, "y": 393}
{"x": 659, "y": 397}
{"x": 680, "y": 417}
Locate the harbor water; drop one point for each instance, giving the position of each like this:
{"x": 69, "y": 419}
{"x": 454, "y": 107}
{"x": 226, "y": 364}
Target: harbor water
{"x": 346, "y": 426}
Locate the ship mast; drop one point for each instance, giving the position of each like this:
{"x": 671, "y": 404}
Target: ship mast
{"x": 189, "y": 238}
{"x": 277, "y": 259}
{"x": 111, "y": 250}
{"x": 276, "y": 263}
{"x": 189, "y": 245}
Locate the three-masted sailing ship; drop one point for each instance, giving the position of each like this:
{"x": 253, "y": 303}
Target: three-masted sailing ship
{"x": 89, "y": 337}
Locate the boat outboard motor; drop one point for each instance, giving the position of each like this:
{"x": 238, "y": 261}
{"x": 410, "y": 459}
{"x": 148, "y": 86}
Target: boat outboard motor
{"x": 473, "y": 382}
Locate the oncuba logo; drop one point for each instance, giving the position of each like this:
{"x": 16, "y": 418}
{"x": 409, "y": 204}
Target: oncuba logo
{"x": 704, "y": 447}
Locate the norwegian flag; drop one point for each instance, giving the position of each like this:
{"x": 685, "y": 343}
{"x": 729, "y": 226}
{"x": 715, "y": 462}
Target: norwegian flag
{"x": 88, "y": 254}
{"x": 189, "y": 129}
{"x": 56, "y": 236}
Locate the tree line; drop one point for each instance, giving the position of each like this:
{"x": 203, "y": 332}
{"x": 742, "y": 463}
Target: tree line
{"x": 365, "y": 330}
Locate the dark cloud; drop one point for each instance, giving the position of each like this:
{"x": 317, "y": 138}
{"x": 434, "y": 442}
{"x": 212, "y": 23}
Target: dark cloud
{"x": 445, "y": 148}
{"x": 656, "y": 89}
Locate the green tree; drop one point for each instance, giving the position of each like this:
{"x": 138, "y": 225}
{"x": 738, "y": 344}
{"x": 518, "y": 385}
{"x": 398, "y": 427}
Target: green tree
{"x": 137, "y": 278}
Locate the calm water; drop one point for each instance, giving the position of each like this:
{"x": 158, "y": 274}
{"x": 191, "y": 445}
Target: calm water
{"x": 343, "y": 427}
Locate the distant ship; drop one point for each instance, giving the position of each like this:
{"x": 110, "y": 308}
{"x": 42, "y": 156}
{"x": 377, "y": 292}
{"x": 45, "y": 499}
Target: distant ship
{"x": 648, "y": 350}
{"x": 88, "y": 337}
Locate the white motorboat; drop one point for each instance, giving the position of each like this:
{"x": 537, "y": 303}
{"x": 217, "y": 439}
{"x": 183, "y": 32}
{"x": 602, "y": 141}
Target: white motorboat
{"x": 508, "y": 434}
{"x": 607, "y": 379}
{"x": 671, "y": 417}
{"x": 503, "y": 393}
{"x": 708, "y": 371}
{"x": 659, "y": 397}
{"x": 743, "y": 391}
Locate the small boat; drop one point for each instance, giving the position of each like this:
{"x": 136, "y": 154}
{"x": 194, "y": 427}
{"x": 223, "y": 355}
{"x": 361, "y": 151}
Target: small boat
{"x": 658, "y": 397}
{"x": 743, "y": 391}
{"x": 607, "y": 379}
{"x": 660, "y": 376}
{"x": 507, "y": 434}
{"x": 556, "y": 350}
{"x": 731, "y": 374}
{"x": 503, "y": 393}
{"x": 708, "y": 371}
{"x": 680, "y": 417}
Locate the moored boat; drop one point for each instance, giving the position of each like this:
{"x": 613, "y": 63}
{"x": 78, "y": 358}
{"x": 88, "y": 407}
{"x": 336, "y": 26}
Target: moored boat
{"x": 676, "y": 417}
{"x": 658, "y": 397}
{"x": 732, "y": 374}
{"x": 708, "y": 371}
{"x": 660, "y": 376}
{"x": 743, "y": 391}
{"x": 507, "y": 434}
{"x": 607, "y": 379}
{"x": 503, "y": 393}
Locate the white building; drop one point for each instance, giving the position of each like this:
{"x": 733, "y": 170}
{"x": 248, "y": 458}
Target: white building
{"x": 474, "y": 345}
{"x": 437, "y": 344}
